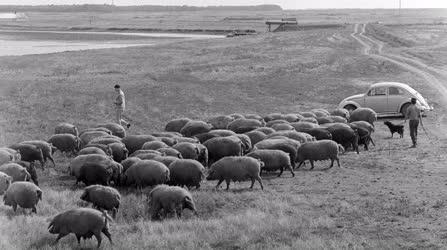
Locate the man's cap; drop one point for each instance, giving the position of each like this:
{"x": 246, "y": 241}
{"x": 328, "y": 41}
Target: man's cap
{"x": 117, "y": 86}
{"x": 413, "y": 99}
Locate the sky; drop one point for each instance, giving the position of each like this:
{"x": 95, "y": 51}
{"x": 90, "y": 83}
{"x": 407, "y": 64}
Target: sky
{"x": 285, "y": 4}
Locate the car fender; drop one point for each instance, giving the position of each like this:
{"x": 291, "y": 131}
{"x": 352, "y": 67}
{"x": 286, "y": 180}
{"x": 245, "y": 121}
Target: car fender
{"x": 344, "y": 103}
{"x": 402, "y": 104}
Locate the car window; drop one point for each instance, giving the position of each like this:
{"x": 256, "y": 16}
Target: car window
{"x": 395, "y": 91}
{"x": 377, "y": 91}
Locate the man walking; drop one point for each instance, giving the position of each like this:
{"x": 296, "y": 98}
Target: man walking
{"x": 414, "y": 115}
{"x": 120, "y": 104}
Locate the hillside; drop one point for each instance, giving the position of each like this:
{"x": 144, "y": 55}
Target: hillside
{"x": 390, "y": 197}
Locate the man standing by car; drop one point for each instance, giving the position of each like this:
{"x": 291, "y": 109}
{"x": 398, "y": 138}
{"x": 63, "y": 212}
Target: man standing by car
{"x": 414, "y": 115}
{"x": 120, "y": 104}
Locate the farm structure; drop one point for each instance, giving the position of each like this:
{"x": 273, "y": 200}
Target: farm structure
{"x": 283, "y": 24}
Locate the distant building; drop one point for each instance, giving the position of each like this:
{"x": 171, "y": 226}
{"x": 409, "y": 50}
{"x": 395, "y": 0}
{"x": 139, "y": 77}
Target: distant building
{"x": 282, "y": 23}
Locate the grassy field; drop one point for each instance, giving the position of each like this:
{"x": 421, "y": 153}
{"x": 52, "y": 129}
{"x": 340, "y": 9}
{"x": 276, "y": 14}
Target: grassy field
{"x": 218, "y": 20}
{"x": 387, "y": 198}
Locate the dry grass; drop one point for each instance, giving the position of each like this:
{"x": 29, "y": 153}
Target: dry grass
{"x": 220, "y": 20}
{"x": 390, "y": 197}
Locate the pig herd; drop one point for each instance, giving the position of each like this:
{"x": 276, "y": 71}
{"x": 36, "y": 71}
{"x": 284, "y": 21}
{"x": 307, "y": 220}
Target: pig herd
{"x": 226, "y": 148}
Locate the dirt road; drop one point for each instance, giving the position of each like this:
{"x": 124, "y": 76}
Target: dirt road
{"x": 374, "y": 48}
{"x": 433, "y": 76}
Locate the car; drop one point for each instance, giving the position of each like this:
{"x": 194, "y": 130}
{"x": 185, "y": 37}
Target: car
{"x": 386, "y": 99}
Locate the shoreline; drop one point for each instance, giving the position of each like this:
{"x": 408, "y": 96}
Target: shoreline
{"x": 221, "y": 32}
{"x": 136, "y": 34}
{"x": 60, "y": 48}
{"x": 20, "y": 47}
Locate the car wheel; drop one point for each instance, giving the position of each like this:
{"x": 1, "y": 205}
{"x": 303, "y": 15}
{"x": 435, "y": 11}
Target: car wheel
{"x": 350, "y": 107}
{"x": 404, "y": 108}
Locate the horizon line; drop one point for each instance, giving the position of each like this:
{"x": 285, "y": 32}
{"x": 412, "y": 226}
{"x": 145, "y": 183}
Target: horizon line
{"x": 206, "y": 6}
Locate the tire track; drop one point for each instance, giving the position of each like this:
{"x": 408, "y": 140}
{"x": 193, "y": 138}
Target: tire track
{"x": 413, "y": 62}
{"x": 374, "y": 49}
{"x": 366, "y": 48}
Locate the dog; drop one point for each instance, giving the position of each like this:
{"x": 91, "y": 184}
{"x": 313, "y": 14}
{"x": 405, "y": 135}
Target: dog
{"x": 395, "y": 128}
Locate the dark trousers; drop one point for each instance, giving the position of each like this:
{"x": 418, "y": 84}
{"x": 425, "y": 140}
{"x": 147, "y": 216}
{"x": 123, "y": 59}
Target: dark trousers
{"x": 414, "y": 130}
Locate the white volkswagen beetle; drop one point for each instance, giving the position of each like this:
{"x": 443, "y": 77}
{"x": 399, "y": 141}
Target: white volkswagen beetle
{"x": 386, "y": 98}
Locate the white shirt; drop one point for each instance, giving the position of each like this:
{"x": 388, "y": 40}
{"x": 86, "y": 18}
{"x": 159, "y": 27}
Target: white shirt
{"x": 120, "y": 101}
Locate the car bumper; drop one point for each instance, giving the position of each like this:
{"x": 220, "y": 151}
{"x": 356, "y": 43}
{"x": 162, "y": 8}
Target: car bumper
{"x": 429, "y": 108}
{"x": 425, "y": 110}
